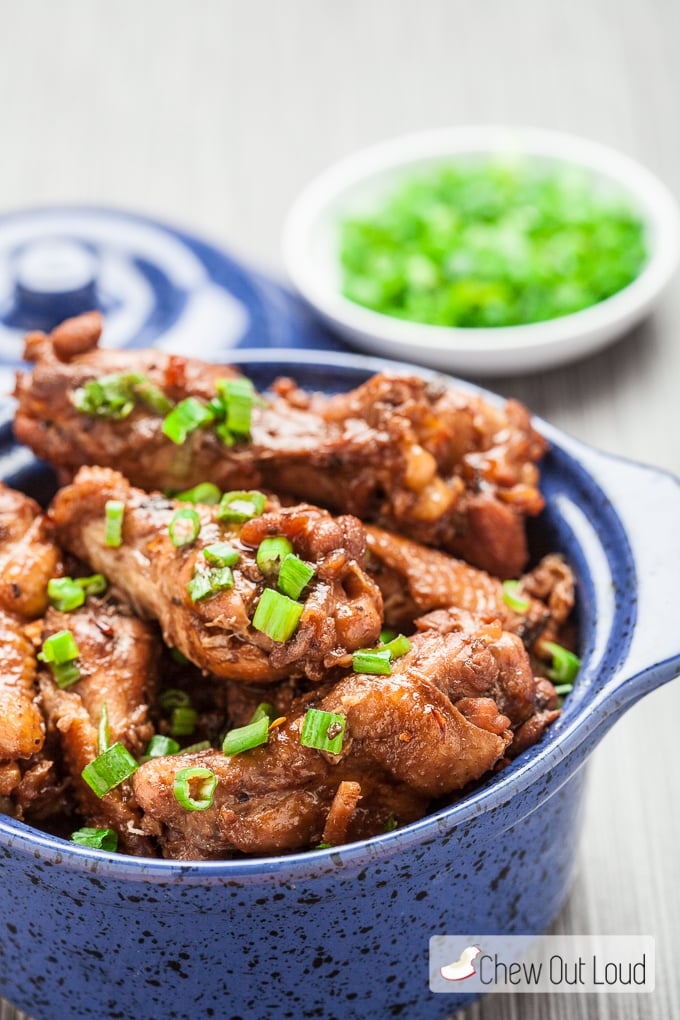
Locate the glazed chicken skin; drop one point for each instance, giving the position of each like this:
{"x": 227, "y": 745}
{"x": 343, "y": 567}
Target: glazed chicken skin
{"x": 28, "y": 555}
{"x": 445, "y": 468}
{"x": 415, "y": 579}
{"x": 22, "y": 732}
{"x": 443, "y": 718}
{"x": 118, "y": 661}
{"x": 342, "y": 609}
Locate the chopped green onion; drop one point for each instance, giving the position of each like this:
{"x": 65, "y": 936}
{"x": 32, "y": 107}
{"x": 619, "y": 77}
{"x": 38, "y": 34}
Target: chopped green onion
{"x": 271, "y": 552}
{"x": 67, "y": 593}
{"x": 178, "y": 657}
{"x": 184, "y": 527}
{"x": 205, "y": 493}
{"x": 322, "y": 846}
{"x": 189, "y": 415}
{"x": 397, "y": 647}
{"x": 115, "y": 509}
{"x": 199, "y": 586}
{"x": 565, "y": 665}
{"x": 103, "y": 738}
{"x": 64, "y": 594}
{"x": 239, "y": 401}
{"x": 183, "y": 721}
{"x": 512, "y": 599}
{"x": 59, "y": 651}
{"x": 114, "y": 396}
{"x": 276, "y": 615}
{"x": 209, "y": 582}
{"x": 263, "y": 711}
{"x": 65, "y": 674}
{"x": 323, "y": 730}
{"x": 372, "y": 660}
{"x": 153, "y": 396}
{"x": 294, "y": 576}
{"x": 109, "y": 769}
{"x": 159, "y": 746}
{"x": 181, "y": 788}
{"x": 246, "y": 737}
{"x": 174, "y": 698}
{"x": 59, "y": 648}
{"x": 239, "y": 507}
{"x": 96, "y": 584}
{"x": 109, "y": 396}
{"x": 387, "y": 635}
{"x": 391, "y": 824}
{"x": 97, "y": 839}
{"x": 563, "y": 689}
{"x": 221, "y": 554}
{"x": 224, "y": 434}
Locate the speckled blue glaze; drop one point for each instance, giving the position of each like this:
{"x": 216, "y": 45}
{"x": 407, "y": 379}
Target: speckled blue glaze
{"x": 344, "y": 933}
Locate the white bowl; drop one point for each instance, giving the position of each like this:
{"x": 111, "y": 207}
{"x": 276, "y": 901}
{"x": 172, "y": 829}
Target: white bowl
{"x": 357, "y": 183}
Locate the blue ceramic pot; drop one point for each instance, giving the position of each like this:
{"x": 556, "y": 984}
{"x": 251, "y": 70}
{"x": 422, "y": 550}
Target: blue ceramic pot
{"x": 344, "y": 933}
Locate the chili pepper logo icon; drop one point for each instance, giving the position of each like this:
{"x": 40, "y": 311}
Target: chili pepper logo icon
{"x": 463, "y": 967}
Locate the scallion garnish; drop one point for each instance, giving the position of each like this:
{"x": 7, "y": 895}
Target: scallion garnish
{"x": 323, "y": 730}
{"x": 205, "y": 493}
{"x": 386, "y": 635}
{"x": 397, "y": 647}
{"x": 114, "y": 510}
{"x": 174, "y": 698}
{"x": 59, "y": 651}
{"x": 391, "y": 824}
{"x": 178, "y": 656}
{"x": 246, "y": 737}
{"x": 372, "y": 660}
{"x": 160, "y": 745}
{"x": 60, "y": 647}
{"x": 65, "y": 674}
{"x": 237, "y": 396}
{"x": 109, "y": 396}
{"x": 67, "y": 593}
{"x": 184, "y": 527}
{"x": 263, "y": 710}
{"x": 294, "y": 576}
{"x": 103, "y": 738}
{"x": 271, "y": 553}
{"x": 276, "y": 615}
{"x": 182, "y": 787}
{"x": 114, "y": 396}
{"x": 97, "y": 839}
{"x": 565, "y": 665}
{"x": 512, "y": 599}
{"x": 221, "y": 554}
{"x": 64, "y": 594}
{"x": 109, "y": 769}
{"x": 563, "y": 689}
{"x": 183, "y": 721}
{"x": 189, "y": 415}
{"x": 153, "y": 396}
{"x": 239, "y": 507}
{"x": 209, "y": 582}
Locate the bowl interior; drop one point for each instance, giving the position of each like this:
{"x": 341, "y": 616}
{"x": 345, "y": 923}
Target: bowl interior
{"x": 578, "y": 521}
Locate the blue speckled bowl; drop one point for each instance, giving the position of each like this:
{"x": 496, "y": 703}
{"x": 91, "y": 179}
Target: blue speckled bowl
{"x": 344, "y": 933}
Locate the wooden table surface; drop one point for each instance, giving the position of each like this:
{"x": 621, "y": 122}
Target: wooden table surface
{"x": 214, "y": 114}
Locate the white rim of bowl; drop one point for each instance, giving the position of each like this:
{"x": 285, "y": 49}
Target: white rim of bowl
{"x": 650, "y": 198}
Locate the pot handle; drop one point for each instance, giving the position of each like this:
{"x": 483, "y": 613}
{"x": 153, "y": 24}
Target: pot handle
{"x": 647, "y": 500}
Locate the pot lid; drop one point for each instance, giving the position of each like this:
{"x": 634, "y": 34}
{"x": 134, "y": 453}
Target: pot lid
{"x": 156, "y": 285}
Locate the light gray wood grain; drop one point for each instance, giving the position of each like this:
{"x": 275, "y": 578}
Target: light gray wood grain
{"x": 214, "y": 114}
